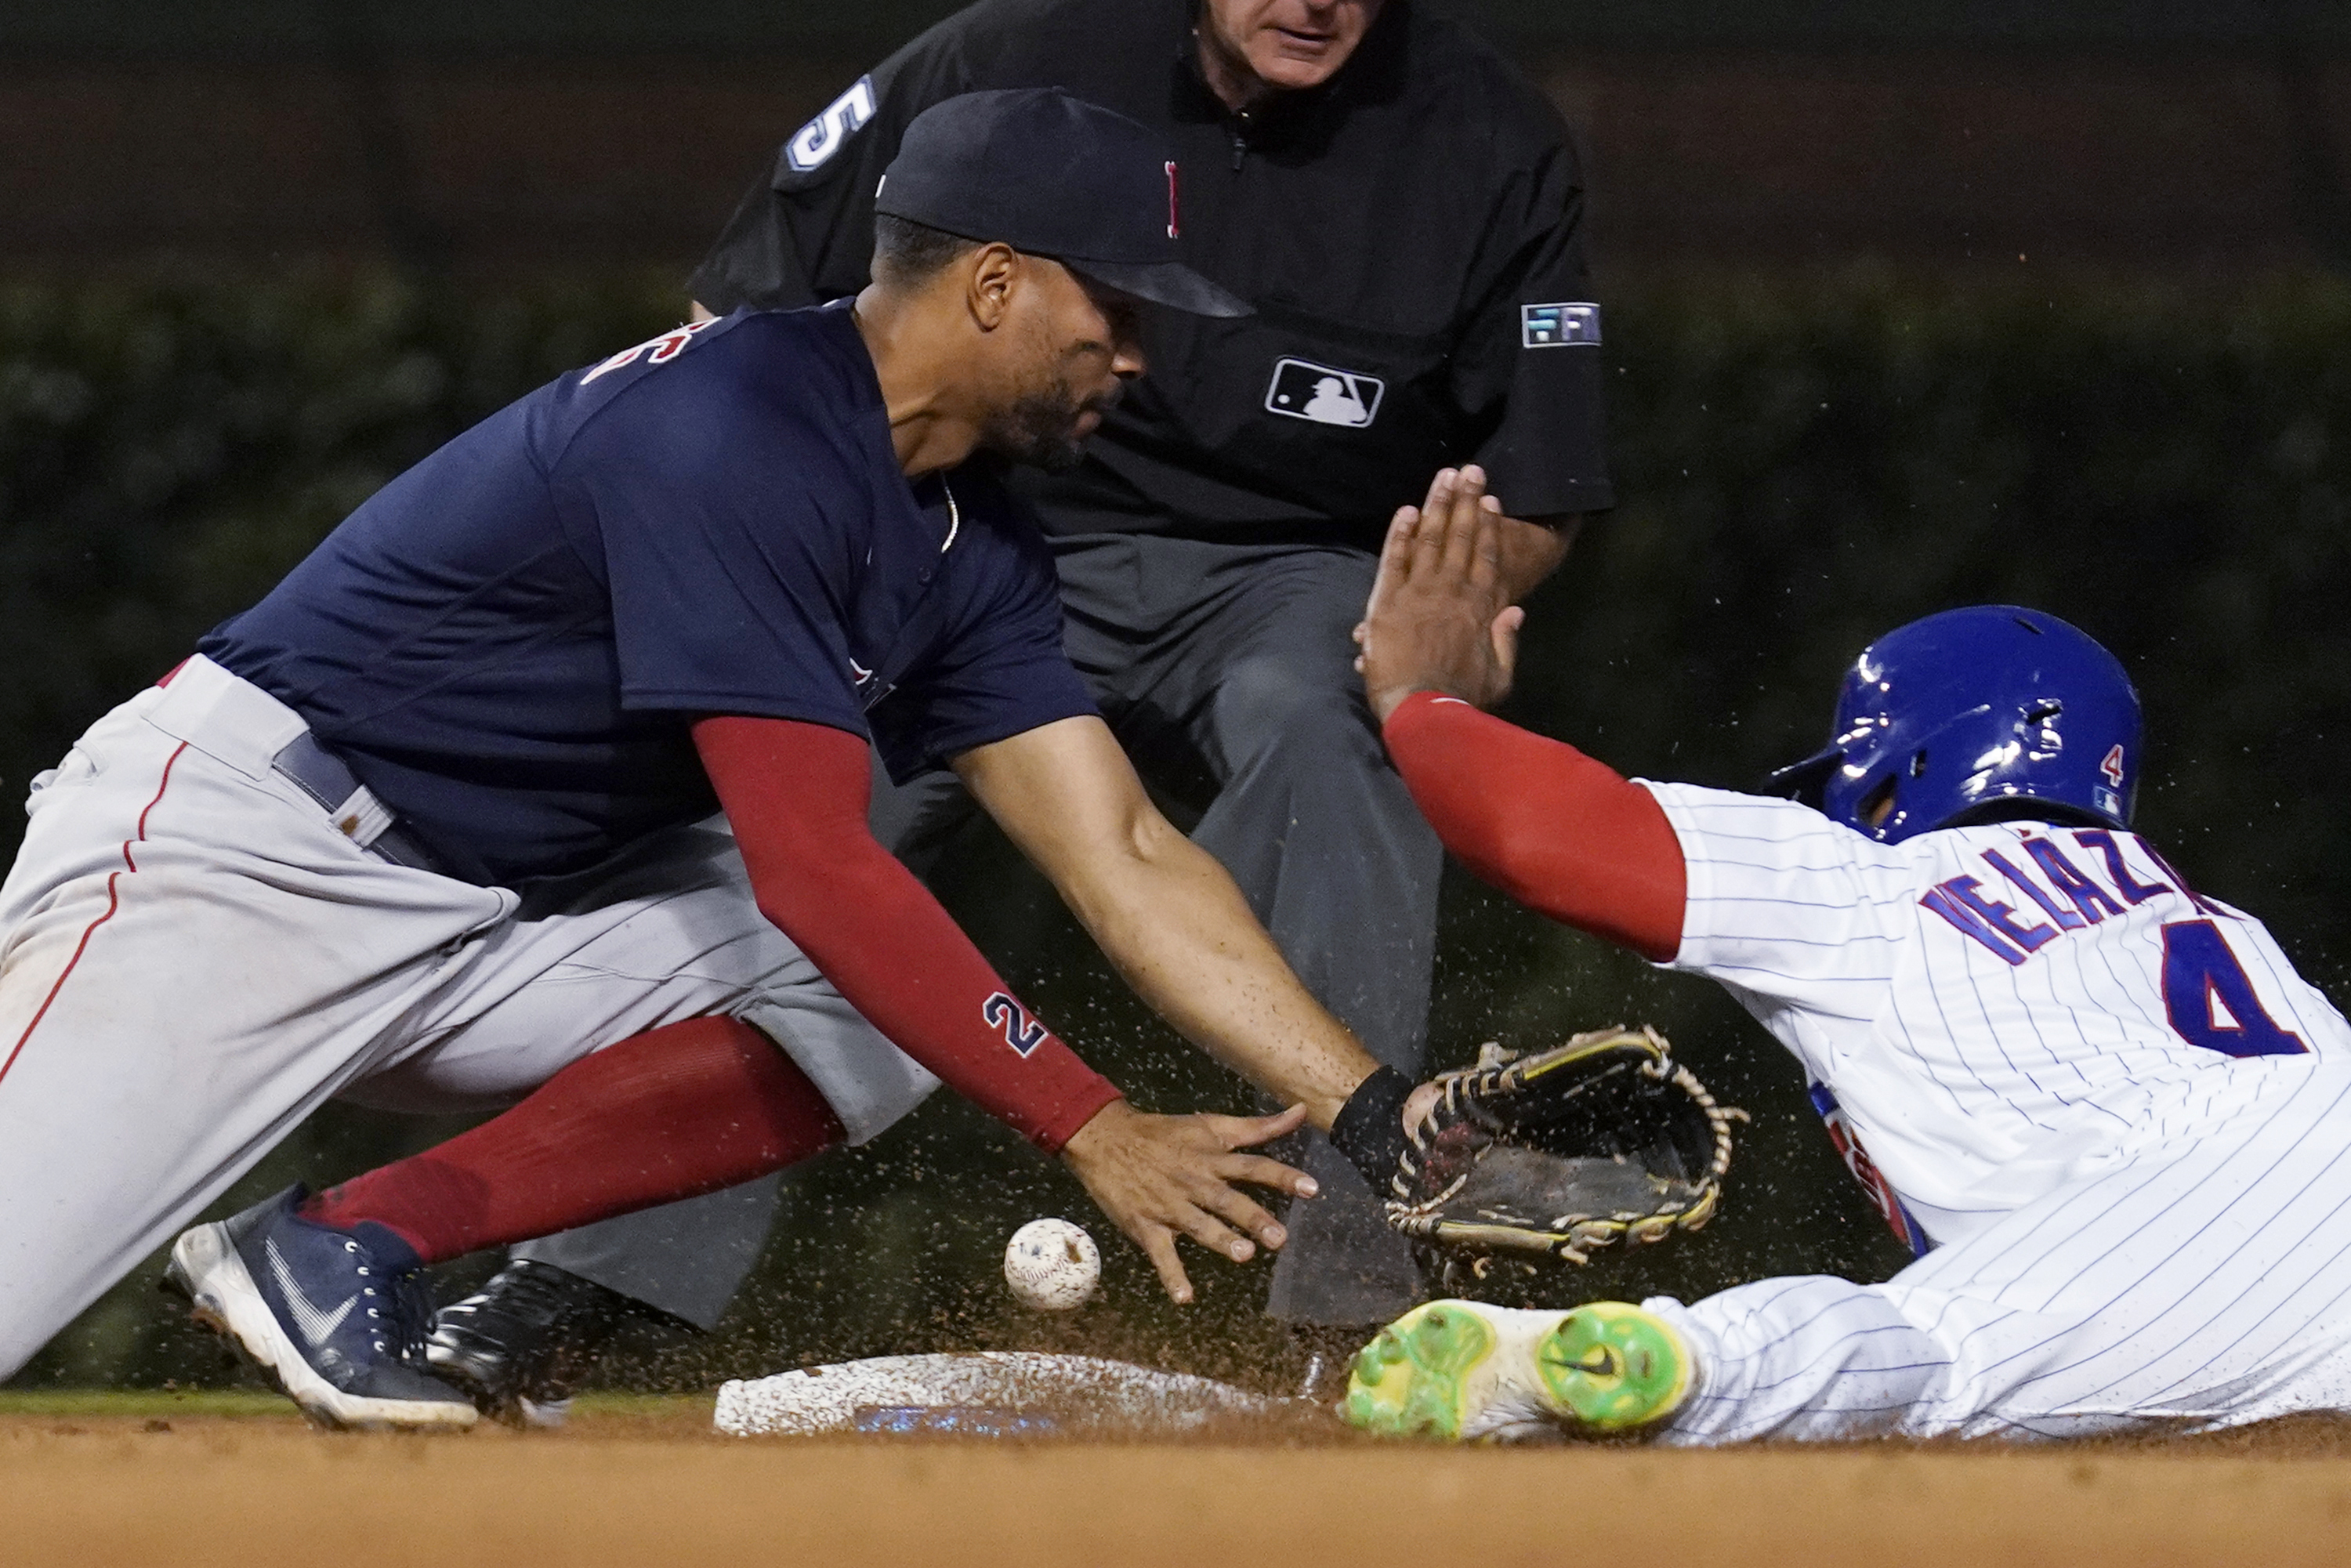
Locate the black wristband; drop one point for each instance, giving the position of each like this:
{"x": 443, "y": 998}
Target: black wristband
{"x": 1369, "y": 1129}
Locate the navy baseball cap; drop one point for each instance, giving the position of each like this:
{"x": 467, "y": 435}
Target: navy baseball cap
{"x": 1055, "y": 176}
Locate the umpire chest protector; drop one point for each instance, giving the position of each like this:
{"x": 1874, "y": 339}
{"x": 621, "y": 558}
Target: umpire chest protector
{"x": 1410, "y": 233}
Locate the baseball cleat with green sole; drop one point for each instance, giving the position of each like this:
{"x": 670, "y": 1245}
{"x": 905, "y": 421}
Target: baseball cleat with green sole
{"x": 1609, "y": 1366}
{"x": 1465, "y": 1372}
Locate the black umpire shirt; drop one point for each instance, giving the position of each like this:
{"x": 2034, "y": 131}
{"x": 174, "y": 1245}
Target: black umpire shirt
{"x": 1410, "y": 233}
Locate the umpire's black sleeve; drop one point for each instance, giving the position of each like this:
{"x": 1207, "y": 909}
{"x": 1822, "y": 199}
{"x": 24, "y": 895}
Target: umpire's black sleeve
{"x": 1528, "y": 369}
{"x": 804, "y": 234}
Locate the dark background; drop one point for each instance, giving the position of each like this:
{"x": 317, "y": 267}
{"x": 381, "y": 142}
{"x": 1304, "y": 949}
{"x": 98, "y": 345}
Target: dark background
{"x": 451, "y": 132}
{"x": 1909, "y": 304}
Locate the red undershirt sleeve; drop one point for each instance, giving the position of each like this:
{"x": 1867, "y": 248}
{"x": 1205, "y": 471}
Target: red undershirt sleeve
{"x": 796, "y": 795}
{"x": 1548, "y": 825}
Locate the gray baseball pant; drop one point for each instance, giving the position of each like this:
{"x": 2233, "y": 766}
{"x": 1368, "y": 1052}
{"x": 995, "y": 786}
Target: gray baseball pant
{"x": 195, "y": 955}
{"x": 1228, "y": 672}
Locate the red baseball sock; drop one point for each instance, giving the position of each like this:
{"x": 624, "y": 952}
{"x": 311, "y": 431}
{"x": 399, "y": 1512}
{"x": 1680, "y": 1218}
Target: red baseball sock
{"x": 674, "y": 1112}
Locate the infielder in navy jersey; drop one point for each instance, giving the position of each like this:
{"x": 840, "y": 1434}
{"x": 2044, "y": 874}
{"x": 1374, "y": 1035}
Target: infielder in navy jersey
{"x": 2101, "y": 1107}
{"x": 436, "y": 825}
{"x": 1407, "y": 209}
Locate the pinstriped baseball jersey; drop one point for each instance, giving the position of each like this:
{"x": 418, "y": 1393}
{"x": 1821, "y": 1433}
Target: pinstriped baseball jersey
{"x": 1986, "y": 1013}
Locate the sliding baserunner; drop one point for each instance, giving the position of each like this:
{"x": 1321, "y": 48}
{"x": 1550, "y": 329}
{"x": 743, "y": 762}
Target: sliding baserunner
{"x": 2102, "y": 1109}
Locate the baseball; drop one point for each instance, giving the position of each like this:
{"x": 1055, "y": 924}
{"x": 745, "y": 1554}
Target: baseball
{"x": 1051, "y": 1265}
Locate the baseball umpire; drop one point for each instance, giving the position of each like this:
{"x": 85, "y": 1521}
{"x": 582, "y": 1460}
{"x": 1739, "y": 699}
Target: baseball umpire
{"x": 1406, "y": 212}
{"x": 432, "y": 825}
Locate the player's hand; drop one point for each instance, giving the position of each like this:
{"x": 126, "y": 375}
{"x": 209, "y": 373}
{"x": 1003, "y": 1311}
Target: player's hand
{"x": 1439, "y": 619}
{"x": 1164, "y": 1176}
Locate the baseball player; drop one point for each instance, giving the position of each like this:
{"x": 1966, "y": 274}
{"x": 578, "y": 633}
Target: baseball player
{"x": 1407, "y": 211}
{"x": 2111, "y": 1122}
{"x": 431, "y": 826}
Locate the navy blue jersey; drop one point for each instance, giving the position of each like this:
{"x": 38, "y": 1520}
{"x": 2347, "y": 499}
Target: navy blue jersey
{"x": 509, "y": 642}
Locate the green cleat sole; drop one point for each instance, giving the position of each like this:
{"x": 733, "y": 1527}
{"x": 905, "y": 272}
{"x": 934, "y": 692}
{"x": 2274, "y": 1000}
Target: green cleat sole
{"x": 1414, "y": 1379}
{"x": 1613, "y": 1366}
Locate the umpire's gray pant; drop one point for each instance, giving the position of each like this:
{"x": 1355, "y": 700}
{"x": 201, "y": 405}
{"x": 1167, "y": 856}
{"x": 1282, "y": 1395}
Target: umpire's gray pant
{"x": 1227, "y": 673}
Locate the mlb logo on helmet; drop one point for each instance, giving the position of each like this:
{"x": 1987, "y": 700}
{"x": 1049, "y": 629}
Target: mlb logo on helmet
{"x": 2109, "y": 794}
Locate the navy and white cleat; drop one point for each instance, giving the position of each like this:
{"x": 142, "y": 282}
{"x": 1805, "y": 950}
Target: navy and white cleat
{"x": 329, "y": 1316}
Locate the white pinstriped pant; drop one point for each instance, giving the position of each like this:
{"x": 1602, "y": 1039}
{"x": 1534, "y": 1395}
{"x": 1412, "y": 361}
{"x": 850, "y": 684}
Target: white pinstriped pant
{"x": 2186, "y": 1287}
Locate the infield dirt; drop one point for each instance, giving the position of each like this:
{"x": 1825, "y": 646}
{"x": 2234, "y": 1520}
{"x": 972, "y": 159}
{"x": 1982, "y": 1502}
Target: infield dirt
{"x": 105, "y": 1480}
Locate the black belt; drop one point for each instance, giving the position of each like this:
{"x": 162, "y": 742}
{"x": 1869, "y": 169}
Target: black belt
{"x": 328, "y": 779}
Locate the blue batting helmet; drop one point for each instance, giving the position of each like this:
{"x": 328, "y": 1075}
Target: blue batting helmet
{"x": 1978, "y": 713}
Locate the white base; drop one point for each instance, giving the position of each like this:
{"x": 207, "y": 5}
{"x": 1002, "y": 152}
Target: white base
{"x": 1060, "y": 1393}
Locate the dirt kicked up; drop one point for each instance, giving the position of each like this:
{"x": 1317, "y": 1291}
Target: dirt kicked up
{"x": 233, "y": 1482}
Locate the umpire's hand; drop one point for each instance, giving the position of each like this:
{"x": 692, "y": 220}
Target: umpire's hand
{"x": 1160, "y": 1176}
{"x": 1440, "y": 618}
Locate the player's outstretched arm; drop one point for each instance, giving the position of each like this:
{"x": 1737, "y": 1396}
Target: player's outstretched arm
{"x": 797, "y": 796}
{"x": 1548, "y": 825}
{"x": 1164, "y": 912}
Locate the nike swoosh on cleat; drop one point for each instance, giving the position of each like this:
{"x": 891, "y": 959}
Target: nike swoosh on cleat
{"x": 315, "y": 1322}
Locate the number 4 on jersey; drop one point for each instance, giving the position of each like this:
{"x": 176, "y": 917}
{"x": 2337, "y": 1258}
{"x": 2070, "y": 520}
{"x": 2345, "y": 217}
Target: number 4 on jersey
{"x": 2210, "y": 999}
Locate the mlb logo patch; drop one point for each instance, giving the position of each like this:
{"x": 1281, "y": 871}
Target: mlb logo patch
{"x": 1324, "y": 394}
{"x": 1559, "y": 325}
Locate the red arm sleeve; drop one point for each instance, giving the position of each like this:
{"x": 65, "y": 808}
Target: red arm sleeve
{"x": 1543, "y": 822}
{"x": 796, "y": 795}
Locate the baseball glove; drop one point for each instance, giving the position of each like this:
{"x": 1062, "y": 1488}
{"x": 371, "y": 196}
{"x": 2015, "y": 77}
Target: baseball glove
{"x": 1565, "y": 1151}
